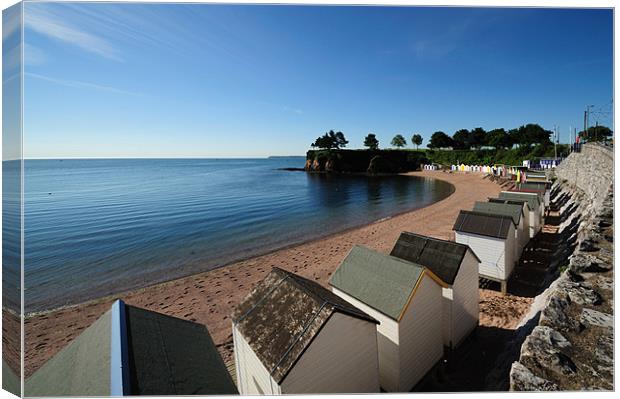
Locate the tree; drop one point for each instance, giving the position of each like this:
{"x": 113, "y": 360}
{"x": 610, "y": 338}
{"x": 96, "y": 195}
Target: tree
{"x": 531, "y": 134}
{"x": 339, "y": 140}
{"x": 330, "y": 140}
{"x": 477, "y": 137}
{"x": 498, "y": 138}
{"x": 461, "y": 140}
{"x": 417, "y": 140}
{"x": 596, "y": 133}
{"x": 371, "y": 141}
{"x": 399, "y": 141}
{"x": 513, "y": 137}
{"x": 440, "y": 140}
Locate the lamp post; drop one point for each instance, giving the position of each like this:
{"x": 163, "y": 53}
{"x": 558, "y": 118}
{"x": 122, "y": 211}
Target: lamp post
{"x": 556, "y": 134}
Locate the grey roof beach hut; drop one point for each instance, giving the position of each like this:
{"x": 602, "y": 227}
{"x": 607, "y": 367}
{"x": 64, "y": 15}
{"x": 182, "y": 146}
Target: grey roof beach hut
{"x": 535, "y": 205}
{"x": 133, "y": 351}
{"x": 523, "y": 203}
{"x": 515, "y": 211}
{"x": 292, "y": 336}
{"x": 406, "y": 299}
{"x": 492, "y": 238}
{"x": 457, "y": 266}
{"x": 541, "y": 197}
{"x": 538, "y": 186}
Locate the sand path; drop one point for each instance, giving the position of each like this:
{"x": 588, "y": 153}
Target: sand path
{"x": 209, "y": 297}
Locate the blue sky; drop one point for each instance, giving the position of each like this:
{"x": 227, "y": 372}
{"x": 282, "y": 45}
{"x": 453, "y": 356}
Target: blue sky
{"x": 148, "y": 80}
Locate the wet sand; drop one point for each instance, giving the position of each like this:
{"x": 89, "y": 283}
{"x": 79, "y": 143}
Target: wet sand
{"x": 209, "y": 297}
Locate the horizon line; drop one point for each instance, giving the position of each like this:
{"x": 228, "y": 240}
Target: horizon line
{"x": 154, "y": 157}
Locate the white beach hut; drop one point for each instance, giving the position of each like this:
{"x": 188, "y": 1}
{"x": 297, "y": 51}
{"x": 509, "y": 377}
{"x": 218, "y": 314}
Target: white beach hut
{"x": 457, "y": 266}
{"x": 492, "y": 238}
{"x": 406, "y": 299}
{"x": 540, "y": 192}
{"x": 293, "y": 336}
{"x": 525, "y": 209}
{"x": 522, "y": 236}
{"x": 536, "y": 208}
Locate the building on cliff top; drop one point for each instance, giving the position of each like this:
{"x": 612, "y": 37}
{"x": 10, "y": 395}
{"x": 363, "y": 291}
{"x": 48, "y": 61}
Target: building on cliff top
{"x": 457, "y": 266}
{"x": 406, "y": 298}
{"x": 133, "y": 351}
{"x": 292, "y": 336}
{"x": 492, "y": 238}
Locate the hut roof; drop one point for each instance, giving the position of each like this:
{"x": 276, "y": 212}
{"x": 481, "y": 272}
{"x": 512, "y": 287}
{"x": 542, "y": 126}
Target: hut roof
{"x": 281, "y": 317}
{"x": 497, "y": 226}
{"x": 381, "y": 281}
{"x": 513, "y": 210}
{"x": 539, "y": 192}
{"x": 158, "y": 355}
{"x": 519, "y": 202}
{"x": 533, "y": 200}
{"x": 171, "y": 356}
{"x": 442, "y": 257}
{"x": 534, "y": 186}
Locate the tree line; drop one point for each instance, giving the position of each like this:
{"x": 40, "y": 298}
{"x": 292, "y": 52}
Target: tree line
{"x": 336, "y": 140}
{"x": 464, "y": 139}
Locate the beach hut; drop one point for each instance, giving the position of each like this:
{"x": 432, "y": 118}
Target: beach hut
{"x": 525, "y": 208}
{"x": 535, "y": 205}
{"x": 457, "y": 266}
{"x": 492, "y": 238}
{"x": 541, "y": 200}
{"x": 406, "y": 299}
{"x": 539, "y": 186}
{"x": 293, "y": 336}
{"x": 133, "y": 351}
{"x": 522, "y": 235}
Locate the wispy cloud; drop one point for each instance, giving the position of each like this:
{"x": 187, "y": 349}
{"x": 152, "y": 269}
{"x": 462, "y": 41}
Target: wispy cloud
{"x": 48, "y": 23}
{"x": 443, "y": 42}
{"x": 33, "y": 55}
{"x": 281, "y": 107}
{"x": 12, "y": 58}
{"x": 11, "y": 22}
{"x": 81, "y": 85}
{"x": 290, "y": 109}
{"x": 105, "y": 29}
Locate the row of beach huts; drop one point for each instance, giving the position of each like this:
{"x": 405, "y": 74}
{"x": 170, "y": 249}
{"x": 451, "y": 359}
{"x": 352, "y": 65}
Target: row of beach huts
{"x": 383, "y": 323}
{"x": 386, "y": 320}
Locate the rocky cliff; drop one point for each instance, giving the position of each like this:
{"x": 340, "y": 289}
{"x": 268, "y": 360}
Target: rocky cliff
{"x": 364, "y": 161}
{"x": 567, "y": 339}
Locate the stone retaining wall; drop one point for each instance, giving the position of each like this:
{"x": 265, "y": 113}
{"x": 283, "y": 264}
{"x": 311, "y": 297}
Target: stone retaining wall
{"x": 569, "y": 342}
{"x": 591, "y": 171}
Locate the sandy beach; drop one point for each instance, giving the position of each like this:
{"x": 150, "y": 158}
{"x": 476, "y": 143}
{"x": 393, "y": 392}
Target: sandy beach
{"x": 209, "y": 297}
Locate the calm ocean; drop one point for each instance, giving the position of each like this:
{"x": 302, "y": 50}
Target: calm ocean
{"x": 96, "y": 227}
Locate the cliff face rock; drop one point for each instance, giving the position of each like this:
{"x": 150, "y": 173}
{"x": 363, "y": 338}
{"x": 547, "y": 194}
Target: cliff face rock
{"x": 363, "y": 161}
{"x": 379, "y": 164}
{"x": 571, "y": 344}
